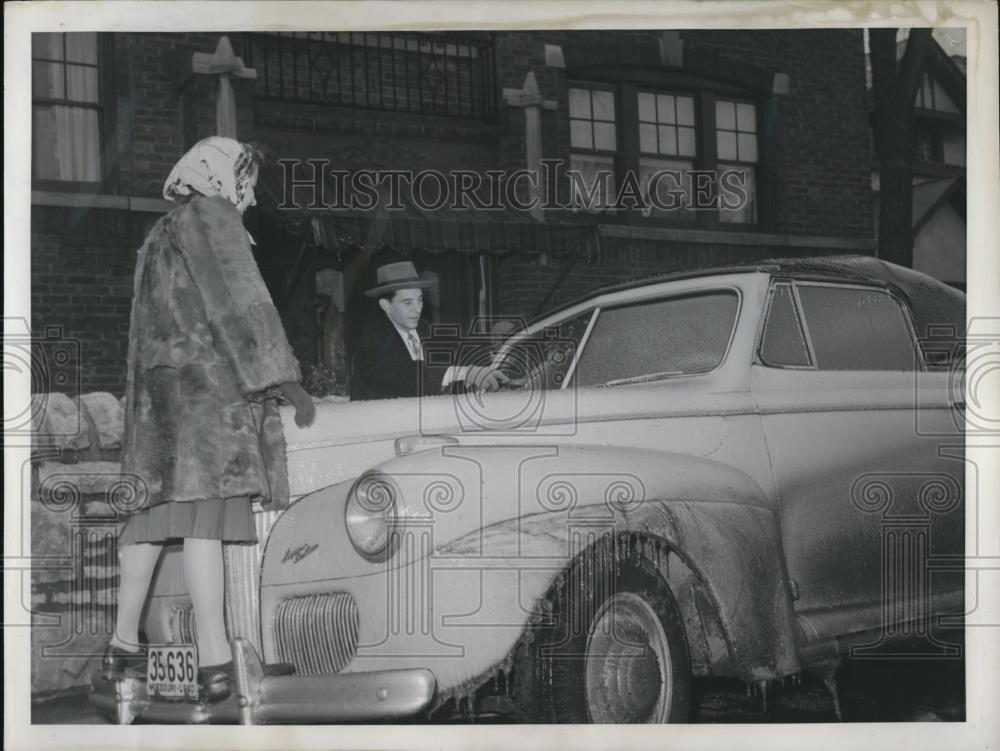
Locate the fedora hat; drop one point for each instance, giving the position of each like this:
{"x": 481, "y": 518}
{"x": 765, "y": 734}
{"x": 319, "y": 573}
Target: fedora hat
{"x": 393, "y": 276}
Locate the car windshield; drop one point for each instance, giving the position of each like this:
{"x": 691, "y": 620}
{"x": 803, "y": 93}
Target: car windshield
{"x": 656, "y": 339}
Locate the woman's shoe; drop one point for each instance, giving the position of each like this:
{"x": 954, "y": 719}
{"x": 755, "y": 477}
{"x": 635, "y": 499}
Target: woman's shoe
{"x": 214, "y": 680}
{"x": 117, "y": 661}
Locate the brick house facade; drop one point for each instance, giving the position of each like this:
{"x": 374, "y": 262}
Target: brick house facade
{"x": 387, "y": 103}
{"x": 406, "y": 101}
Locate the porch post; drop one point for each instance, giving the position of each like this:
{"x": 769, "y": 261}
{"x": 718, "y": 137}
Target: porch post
{"x": 529, "y": 98}
{"x": 224, "y": 64}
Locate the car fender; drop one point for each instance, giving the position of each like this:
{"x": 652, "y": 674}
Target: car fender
{"x": 721, "y": 560}
{"x": 716, "y": 521}
{"x": 456, "y": 490}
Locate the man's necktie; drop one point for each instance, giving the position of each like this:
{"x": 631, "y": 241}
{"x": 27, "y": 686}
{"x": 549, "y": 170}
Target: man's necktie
{"x": 414, "y": 343}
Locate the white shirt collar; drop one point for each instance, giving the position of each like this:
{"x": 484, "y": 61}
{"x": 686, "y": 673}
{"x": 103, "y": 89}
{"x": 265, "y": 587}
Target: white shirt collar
{"x": 404, "y": 334}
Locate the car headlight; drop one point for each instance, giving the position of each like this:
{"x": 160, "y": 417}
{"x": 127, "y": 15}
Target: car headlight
{"x": 371, "y": 514}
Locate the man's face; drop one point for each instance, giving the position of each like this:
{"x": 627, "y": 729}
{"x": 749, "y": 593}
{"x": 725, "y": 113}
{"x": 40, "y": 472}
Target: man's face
{"x": 404, "y": 308}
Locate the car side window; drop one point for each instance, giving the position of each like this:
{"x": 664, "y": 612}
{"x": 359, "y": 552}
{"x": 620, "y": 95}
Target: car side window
{"x": 855, "y": 328}
{"x": 783, "y": 344}
{"x": 544, "y": 359}
{"x": 657, "y": 339}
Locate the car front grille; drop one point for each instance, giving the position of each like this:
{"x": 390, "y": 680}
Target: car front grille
{"x": 183, "y": 629}
{"x": 317, "y": 633}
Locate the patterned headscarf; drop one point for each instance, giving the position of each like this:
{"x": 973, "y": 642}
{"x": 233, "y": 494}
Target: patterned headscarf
{"x": 214, "y": 166}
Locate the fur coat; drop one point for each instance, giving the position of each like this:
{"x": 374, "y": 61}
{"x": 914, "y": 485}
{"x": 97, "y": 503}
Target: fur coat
{"x": 206, "y": 353}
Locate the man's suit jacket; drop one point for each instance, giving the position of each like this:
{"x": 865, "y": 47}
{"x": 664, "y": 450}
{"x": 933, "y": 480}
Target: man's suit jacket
{"x": 383, "y": 369}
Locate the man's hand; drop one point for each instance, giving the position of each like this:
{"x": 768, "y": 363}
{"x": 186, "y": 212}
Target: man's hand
{"x": 485, "y": 377}
{"x": 305, "y": 410}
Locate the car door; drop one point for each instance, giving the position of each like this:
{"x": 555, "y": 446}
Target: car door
{"x": 866, "y": 497}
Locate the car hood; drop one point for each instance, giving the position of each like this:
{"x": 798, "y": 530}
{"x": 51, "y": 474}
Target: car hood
{"x": 348, "y": 438}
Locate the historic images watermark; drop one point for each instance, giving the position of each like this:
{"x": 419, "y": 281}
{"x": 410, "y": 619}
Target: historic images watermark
{"x": 52, "y": 361}
{"x": 431, "y": 592}
{"x": 318, "y": 184}
{"x": 536, "y": 362}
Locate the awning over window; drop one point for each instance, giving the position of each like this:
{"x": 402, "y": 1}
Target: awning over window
{"x": 413, "y": 228}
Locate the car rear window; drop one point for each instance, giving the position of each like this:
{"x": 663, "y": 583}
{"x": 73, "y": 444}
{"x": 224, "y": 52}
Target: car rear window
{"x": 854, "y": 328}
{"x": 658, "y": 339}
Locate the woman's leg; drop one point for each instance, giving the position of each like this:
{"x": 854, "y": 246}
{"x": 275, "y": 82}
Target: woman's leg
{"x": 206, "y": 585}
{"x": 136, "y": 567}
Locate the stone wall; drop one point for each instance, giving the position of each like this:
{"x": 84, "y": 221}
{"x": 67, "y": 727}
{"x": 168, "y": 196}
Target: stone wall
{"x": 76, "y": 489}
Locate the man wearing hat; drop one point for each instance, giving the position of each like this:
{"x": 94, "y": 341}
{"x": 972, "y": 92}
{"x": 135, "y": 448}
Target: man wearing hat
{"x": 389, "y": 359}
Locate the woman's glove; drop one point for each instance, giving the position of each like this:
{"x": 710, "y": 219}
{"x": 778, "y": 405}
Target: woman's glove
{"x": 305, "y": 411}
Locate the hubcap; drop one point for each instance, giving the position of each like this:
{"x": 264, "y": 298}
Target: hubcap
{"x": 628, "y": 670}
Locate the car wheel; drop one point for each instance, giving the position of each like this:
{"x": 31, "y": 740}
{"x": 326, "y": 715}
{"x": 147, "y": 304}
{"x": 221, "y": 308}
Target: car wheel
{"x": 614, "y": 650}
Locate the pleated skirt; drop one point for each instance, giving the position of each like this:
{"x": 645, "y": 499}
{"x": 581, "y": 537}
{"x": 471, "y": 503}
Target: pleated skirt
{"x": 227, "y": 519}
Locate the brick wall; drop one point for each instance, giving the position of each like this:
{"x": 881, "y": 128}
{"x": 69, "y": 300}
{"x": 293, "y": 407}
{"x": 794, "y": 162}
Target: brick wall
{"x": 157, "y": 118}
{"x": 816, "y": 149}
{"x": 82, "y": 263}
{"x": 817, "y": 159}
{"x": 82, "y": 259}
{"x": 528, "y": 286}
{"x": 820, "y": 162}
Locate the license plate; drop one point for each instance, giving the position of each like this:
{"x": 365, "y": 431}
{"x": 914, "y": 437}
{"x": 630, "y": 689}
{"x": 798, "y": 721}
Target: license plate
{"x": 172, "y": 671}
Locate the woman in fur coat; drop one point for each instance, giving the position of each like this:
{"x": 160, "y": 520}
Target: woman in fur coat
{"x": 207, "y": 359}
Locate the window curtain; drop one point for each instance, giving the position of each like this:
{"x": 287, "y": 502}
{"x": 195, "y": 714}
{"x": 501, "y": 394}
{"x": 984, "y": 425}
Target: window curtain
{"x": 67, "y": 144}
{"x": 746, "y": 212}
{"x": 589, "y": 168}
{"x": 67, "y": 138}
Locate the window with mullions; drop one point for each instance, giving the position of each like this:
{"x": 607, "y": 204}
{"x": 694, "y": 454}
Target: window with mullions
{"x": 66, "y": 107}
{"x": 736, "y": 148}
{"x": 667, "y": 150}
{"x": 932, "y": 96}
{"x": 689, "y": 156}
{"x": 593, "y": 134}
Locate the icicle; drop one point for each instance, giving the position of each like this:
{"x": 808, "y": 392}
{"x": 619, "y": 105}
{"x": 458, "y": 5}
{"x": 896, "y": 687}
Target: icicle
{"x": 762, "y": 692}
{"x": 471, "y": 701}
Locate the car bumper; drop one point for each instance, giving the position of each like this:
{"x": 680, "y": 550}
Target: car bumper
{"x": 263, "y": 696}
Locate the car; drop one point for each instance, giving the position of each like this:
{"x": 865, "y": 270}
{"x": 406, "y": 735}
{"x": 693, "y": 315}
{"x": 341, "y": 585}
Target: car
{"x": 739, "y": 471}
